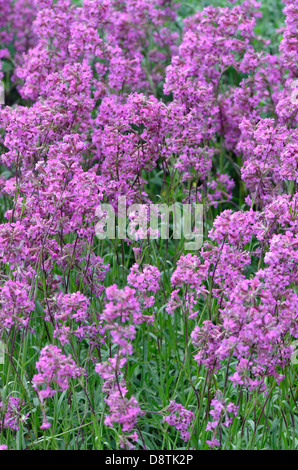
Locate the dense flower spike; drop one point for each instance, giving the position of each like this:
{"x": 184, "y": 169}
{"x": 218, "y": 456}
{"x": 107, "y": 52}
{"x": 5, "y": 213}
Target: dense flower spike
{"x": 123, "y": 411}
{"x": 121, "y": 310}
{"x": 54, "y": 369}
{"x": 10, "y": 413}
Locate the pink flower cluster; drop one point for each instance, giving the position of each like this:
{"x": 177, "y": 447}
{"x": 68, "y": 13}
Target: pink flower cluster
{"x": 105, "y": 99}
{"x": 54, "y": 370}
{"x": 221, "y": 414}
{"x": 123, "y": 411}
{"x": 11, "y": 413}
{"x": 180, "y": 418}
{"x": 119, "y": 316}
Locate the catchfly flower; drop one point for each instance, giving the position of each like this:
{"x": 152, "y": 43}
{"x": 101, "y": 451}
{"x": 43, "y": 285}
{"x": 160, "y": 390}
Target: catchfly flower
{"x": 148, "y": 224}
